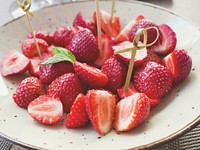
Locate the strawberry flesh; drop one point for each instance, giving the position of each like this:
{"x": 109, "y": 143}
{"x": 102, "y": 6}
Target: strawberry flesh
{"x": 46, "y": 109}
{"x": 13, "y": 62}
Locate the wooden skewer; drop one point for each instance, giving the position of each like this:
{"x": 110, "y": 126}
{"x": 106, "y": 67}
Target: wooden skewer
{"x": 112, "y": 10}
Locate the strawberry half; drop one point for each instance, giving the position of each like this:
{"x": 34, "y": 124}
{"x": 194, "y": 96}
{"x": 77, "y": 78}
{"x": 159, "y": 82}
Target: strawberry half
{"x": 92, "y": 76}
{"x": 100, "y": 106}
{"x": 116, "y": 72}
{"x": 111, "y": 28}
{"x": 85, "y": 23}
{"x": 166, "y": 42}
{"x": 78, "y": 116}
{"x": 123, "y": 35}
{"x": 29, "y": 89}
{"x": 13, "y": 62}
{"x": 29, "y": 48}
{"x": 153, "y": 79}
{"x": 67, "y": 87}
{"x": 107, "y": 50}
{"x": 131, "y": 111}
{"x": 179, "y": 63}
{"x": 46, "y": 109}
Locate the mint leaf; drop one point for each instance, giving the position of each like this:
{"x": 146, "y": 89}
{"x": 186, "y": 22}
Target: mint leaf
{"x": 60, "y": 54}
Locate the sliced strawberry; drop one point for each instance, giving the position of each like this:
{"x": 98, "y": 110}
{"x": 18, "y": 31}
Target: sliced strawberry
{"x": 42, "y": 35}
{"x": 116, "y": 72}
{"x": 29, "y": 89}
{"x": 67, "y": 87}
{"x": 153, "y": 79}
{"x": 100, "y": 106}
{"x": 78, "y": 116}
{"x": 46, "y": 109}
{"x": 144, "y": 23}
{"x": 63, "y": 35}
{"x": 123, "y": 35}
{"x": 111, "y": 28}
{"x": 92, "y": 76}
{"x": 141, "y": 56}
{"x": 84, "y": 46}
{"x": 131, "y": 111}
{"x": 122, "y": 93}
{"x": 13, "y": 62}
{"x": 29, "y": 48}
{"x": 107, "y": 50}
{"x": 85, "y": 23}
{"x": 179, "y": 63}
{"x": 167, "y": 41}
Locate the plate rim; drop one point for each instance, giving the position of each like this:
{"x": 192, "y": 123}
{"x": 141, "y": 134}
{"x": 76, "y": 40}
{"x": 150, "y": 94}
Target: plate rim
{"x": 167, "y": 139}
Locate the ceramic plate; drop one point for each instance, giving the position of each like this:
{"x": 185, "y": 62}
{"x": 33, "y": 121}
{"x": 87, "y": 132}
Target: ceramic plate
{"x": 177, "y": 113}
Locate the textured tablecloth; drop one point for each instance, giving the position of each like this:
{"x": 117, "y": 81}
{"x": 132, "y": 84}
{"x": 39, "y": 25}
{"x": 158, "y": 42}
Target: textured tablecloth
{"x": 189, "y": 9}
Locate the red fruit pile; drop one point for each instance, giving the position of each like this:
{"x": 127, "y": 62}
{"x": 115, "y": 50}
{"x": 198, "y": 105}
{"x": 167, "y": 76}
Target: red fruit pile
{"x": 88, "y": 84}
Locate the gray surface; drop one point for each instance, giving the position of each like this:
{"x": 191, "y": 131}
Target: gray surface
{"x": 189, "y": 9}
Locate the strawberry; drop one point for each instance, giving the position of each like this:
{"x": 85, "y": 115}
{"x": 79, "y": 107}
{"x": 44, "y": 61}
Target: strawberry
{"x": 122, "y": 93}
{"x": 166, "y": 42}
{"x": 111, "y": 28}
{"x": 179, "y": 63}
{"x": 141, "y": 56}
{"x": 41, "y": 34}
{"x": 116, "y": 72}
{"x": 85, "y": 23}
{"x": 100, "y": 106}
{"x": 46, "y": 109}
{"x": 29, "y": 48}
{"x": 29, "y": 89}
{"x": 78, "y": 116}
{"x": 92, "y": 76}
{"x": 13, "y": 62}
{"x": 107, "y": 50}
{"x": 123, "y": 35}
{"x": 153, "y": 79}
{"x": 35, "y": 64}
{"x": 131, "y": 111}
{"x": 63, "y": 35}
{"x": 84, "y": 46}
{"x": 144, "y": 23}
{"x": 50, "y": 72}
{"x": 67, "y": 87}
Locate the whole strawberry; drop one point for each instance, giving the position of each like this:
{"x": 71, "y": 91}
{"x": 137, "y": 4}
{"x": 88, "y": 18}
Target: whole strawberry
{"x": 29, "y": 48}
{"x": 179, "y": 63}
{"x": 50, "y": 72}
{"x": 144, "y": 23}
{"x": 84, "y": 46}
{"x": 116, "y": 72}
{"x": 28, "y": 90}
{"x": 153, "y": 79}
{"x": 67, "y": 87}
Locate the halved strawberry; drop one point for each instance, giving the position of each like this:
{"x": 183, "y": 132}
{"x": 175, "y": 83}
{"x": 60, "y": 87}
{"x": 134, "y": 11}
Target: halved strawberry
{"x": 85, "y": 23}
{"x": 29, "y": 89}
{"x": 166, "y": 42}
{"x": 78, "y": 116}
{"x": 123, "y": 35}
{"x": 131, "y": 111}
{"x": 13, "y": 62}
{"x": 46, "y": 109}
{"x": 179, "y": 63}
{"x": 111, "y": 28}
{"x": 100, "y": 107}
{"x": 107, "y": 50}
{"x": 29, "y": 48}
{"x": 116, "y": 72}
{"x": 141, "y": 56}
{"x": 153, "y": 79}
{"x": 92, "y": 76}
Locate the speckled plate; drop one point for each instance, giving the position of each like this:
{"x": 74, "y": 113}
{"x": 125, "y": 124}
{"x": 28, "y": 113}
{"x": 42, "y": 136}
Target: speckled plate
{"x": 177, "y": 113}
